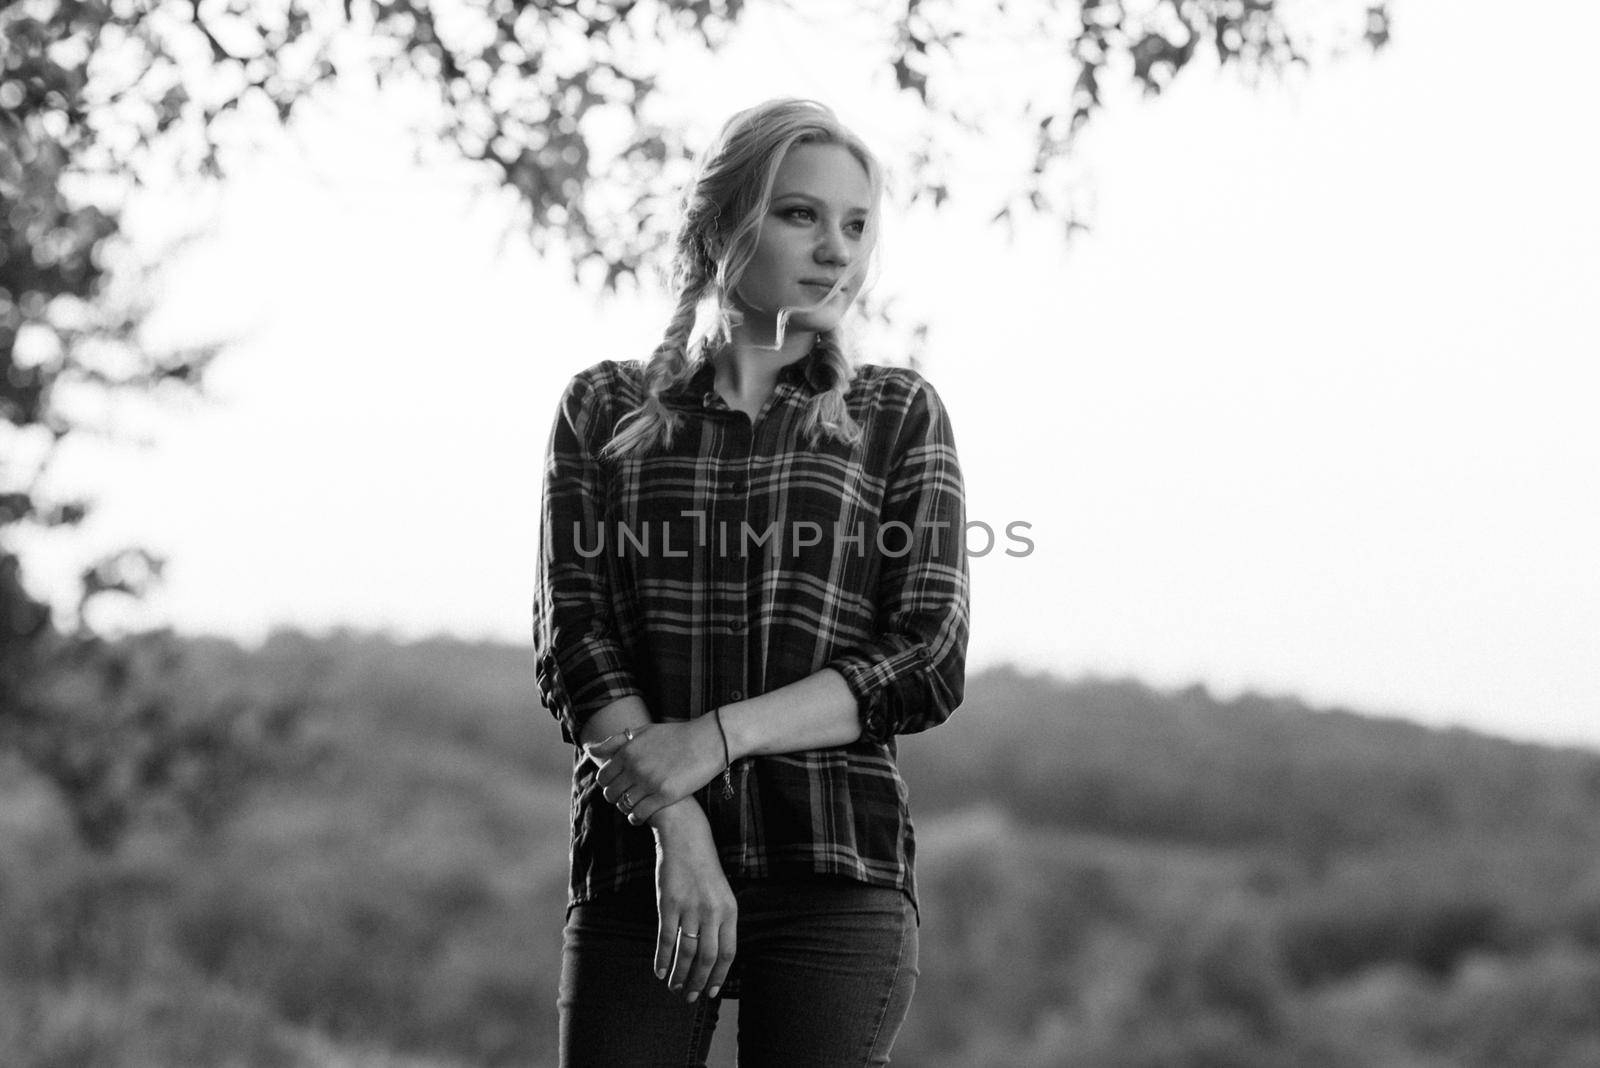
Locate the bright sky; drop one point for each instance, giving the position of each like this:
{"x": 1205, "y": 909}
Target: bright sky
{"x": 1310, "y": 412}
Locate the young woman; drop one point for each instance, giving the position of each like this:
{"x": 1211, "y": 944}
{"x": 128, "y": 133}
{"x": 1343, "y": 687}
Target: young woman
{"x": 752, "y": 578}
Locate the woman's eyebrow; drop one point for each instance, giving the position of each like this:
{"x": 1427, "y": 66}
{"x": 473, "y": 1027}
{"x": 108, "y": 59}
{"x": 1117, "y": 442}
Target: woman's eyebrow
{"x": 816, "y": 200}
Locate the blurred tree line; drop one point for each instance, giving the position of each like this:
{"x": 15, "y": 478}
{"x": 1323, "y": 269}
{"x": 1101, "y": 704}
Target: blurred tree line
{"x": 1256, "y": 882}
{"x": 100, "y": 98}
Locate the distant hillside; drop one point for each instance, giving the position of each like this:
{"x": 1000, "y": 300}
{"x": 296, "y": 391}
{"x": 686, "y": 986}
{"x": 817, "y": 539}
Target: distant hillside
{"x": 1120, "y": 757}
{"x": 1106, "y": 755}
{"x": 1114, "y": 756}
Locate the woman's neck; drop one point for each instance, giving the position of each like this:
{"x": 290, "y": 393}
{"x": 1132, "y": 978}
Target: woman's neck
{"x": 747, "y": 372}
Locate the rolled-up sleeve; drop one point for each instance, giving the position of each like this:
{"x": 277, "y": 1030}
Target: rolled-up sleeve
{"x": 911, "y": 675}
{"x": 582, "y": 665}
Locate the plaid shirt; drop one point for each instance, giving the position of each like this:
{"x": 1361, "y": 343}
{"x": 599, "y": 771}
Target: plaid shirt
{"x": 737, "y": 562}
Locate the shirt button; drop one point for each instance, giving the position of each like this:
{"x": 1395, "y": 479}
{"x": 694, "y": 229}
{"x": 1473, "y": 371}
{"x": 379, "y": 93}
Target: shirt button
{"x": 737, "y": 486}
{"x": 736, "y": 626}
{"x": 736, "y": 695}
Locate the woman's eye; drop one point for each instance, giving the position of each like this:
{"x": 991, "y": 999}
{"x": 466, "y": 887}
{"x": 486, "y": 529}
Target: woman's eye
{"x": 791, "y": 213}
{"x": 859, "y": 227}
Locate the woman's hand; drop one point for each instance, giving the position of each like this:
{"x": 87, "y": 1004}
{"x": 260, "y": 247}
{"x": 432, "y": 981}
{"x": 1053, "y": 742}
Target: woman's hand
{"x": 692, "y": 899}
{"x": 662, "y": 764}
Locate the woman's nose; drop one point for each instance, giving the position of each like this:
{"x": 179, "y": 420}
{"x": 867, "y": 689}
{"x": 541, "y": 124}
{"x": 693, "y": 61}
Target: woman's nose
{"x": 833, "y": 248}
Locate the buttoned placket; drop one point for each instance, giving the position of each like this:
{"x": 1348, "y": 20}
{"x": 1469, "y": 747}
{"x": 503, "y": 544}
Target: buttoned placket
{"x": 734, "y": 434}
{"x": 736, "y": 437}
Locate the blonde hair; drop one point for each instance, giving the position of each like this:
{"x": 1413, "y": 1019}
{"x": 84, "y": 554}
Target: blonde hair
{"x": 722, "y": 216}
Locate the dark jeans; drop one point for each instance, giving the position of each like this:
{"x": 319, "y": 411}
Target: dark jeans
{"x": 824, "y": 974}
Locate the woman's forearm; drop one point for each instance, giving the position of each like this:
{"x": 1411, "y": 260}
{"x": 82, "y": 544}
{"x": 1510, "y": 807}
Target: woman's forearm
{"x": 816, "y": 712}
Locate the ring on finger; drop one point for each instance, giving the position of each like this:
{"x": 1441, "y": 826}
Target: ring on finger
{"x": 627, "y": 802}
{"x": 686, "y": 934}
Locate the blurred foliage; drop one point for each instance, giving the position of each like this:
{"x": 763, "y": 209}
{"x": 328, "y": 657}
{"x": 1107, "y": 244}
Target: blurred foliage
{"x": 135, "y": 728}
{"x": 393, "y": 893}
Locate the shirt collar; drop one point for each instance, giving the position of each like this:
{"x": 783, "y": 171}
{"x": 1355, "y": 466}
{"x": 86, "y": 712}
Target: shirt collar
{"x": 806, "y": 375}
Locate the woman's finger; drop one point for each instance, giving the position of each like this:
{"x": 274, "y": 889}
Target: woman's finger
{"x": 628, "y": 805}
{"x": 609, "y": 772}
{"x": 709, "y": 945}
{"x": 688, "y": 943}
{"x": 666, "y": 941}
{"x": 606, "y": 748}
{"x": 727, "y": 946}
{"x": 644, "y": 807}
{"x": 612, "y": 744}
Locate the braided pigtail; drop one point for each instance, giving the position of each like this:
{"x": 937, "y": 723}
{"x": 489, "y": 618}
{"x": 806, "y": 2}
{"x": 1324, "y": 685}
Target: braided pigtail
{"x": 653, "y": 424}
{"x": 827, "y": 412}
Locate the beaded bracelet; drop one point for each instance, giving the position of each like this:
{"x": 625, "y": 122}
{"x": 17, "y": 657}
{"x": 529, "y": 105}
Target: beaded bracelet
{"x": 727, "y": 762}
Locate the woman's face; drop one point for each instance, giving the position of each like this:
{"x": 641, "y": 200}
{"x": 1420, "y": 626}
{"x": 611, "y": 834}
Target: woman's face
{"x": 814, "y": 229}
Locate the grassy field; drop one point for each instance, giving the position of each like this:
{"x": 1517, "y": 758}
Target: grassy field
{"x": 1112, "y": 876}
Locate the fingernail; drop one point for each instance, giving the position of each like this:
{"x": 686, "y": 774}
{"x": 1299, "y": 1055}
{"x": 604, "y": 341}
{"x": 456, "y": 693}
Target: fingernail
{"x": 693, "y": 995}
{"x": 713, "y": 992}
{"x": 661, "y": 973}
